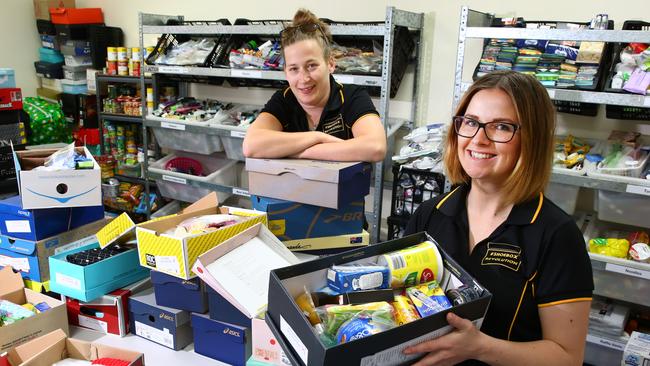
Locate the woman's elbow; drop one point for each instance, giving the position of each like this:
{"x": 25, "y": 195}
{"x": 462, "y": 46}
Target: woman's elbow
{"x": 248, "y": 150}
{"x": 378, "y": 153}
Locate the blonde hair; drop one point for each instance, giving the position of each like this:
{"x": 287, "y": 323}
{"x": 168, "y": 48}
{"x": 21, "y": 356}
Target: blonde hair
{"x": 298, "y": 31}
{"x": 536, "y": 116}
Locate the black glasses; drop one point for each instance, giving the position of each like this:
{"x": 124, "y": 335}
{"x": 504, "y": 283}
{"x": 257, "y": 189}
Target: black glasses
{"x": 304, "y": 28}
{"x": 495, "y": 131}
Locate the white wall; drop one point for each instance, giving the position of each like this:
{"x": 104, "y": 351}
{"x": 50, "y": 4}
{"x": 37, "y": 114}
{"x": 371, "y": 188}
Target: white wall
{"x": 19, "y": 43}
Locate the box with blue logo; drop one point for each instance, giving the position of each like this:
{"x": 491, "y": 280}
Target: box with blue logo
{"x": 181, "y": 294}
{"x": 30, "y": 258}
{"x": 293, "y": 220}
{"x": 222, "y": 310}
{"x": 329, "y": 184}
{"x": 56, "y": 188}
{"x": 221, "y": 341}
{"x": 91, "y": 281}
{"x": 166, "y": 326}
{"x": 34, "y": 225}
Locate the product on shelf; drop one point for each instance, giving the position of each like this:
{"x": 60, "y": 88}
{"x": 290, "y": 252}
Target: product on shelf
{"x": 192, "y": 52}
{"x": 265, "y": 56}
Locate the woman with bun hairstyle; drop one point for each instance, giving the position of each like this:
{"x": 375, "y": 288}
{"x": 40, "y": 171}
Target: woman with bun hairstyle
{"x": 315, "y": 117}
{"x": 498, "y": 225}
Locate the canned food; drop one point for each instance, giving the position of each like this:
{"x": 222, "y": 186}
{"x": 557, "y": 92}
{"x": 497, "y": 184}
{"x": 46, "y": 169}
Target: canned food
{"x": 123, "y": 68}
{"x": 111, "y": 67}
{"x": 121, "y": 54}
{"x": 417, "y": 264}
{"x": 135, "y": 53}
{"x": 111, "y": 53}
{"x": 462, "y": 295}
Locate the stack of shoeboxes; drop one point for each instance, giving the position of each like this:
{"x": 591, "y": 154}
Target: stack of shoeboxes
{"x": 12, "y": 129}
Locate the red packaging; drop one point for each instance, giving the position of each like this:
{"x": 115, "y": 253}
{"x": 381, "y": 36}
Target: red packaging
{"x": 76, "y": 15}
{"x": 10, "y": 99}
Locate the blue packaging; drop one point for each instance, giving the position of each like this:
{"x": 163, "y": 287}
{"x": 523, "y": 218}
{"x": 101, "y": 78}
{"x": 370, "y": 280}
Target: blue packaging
{"x": 38, "y": 224}
{"x": 357, "y": 328}
{"x": 7, "y": 78}
{"x": 292, "y": 220}
{"x": 532, "y": 43}
{"x": 343, "y": 279}
{"x": 178, "y": 293}
{"x": 229, "y": 343}
{"x": 569, "y": 53}
{"x": 223, "y": 311}
{"x": 50, "y": 55}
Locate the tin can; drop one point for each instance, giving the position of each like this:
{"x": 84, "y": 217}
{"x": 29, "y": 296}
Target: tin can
{"x": 136, "y": 68}
{"x": 111, "y": 67}
{"x": 462, "y": 295}
{"x": 135, "y": 53}
{"x": 417, "y": 264}
{"x": 123, "y": 68}
{"x": 121, "y": 54}
{"x": 111, "y": 53}
{"x": 150, "y": 98}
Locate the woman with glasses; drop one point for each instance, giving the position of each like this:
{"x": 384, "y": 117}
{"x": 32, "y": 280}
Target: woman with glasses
{"x": 497, "y": 224}
{"x": 315, "y": 117}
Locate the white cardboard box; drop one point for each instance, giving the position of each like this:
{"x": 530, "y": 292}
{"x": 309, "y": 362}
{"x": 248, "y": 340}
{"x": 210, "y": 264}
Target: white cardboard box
{"x": 637, "y": 350}
{"x": 51, "y": 189}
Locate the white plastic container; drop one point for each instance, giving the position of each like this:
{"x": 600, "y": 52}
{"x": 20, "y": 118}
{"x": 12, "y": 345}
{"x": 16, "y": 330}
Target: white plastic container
{"x": 563, "y": 195}
{"x": 168, "y": 209}
{"x": 233, "y": 144}
{"x": 178, "y": 139}
{"x": 52, "y": 84}
{"x": 78, "y": 60}
{"x": 75, "y": 73}
{"x": 624, "y": 208}
{"x": 216, "y": 170}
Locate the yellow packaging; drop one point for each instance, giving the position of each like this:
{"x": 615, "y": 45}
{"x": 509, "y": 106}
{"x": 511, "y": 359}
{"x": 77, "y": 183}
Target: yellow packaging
{"x": 417, "y": 264}
{"x": 405, "y": 311}
{"x": 611, "y": 247}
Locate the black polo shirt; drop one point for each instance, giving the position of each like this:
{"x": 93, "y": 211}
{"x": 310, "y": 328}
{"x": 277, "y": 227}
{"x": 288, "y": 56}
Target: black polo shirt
{"x": 346, "y": 104}
{"x": 536, "y": 258}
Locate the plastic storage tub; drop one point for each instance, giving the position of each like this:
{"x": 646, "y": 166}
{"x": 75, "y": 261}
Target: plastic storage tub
{"x": 216, "y": 170}
{"x": 563, "y": 195}
{"x": 624, "y": 208}
{"x": 187, "y": 141}
{"x": 76, "y": 48}
{"x": 168, "y": 209}
{"x": 75, "y": 72}
{"x": 74, "y": 87}
{"x": 7, "y": 78}
{"x": 78, "y": 60}
{"x": 50, "y": 55}
{"x": 233, "y": 144}
{"x": 633, "y": 170}
{"x": 52, "y": 84}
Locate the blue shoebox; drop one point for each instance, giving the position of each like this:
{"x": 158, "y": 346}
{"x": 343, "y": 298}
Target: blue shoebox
{"x": 291, "y": 220}
{"x": 221, "y": 341}
{"x": 181, "y": 294}
{"x": 87, "y": 283}
{"x": 30, "y": 258}
{"x": 166, "y": 326}
{"x": 34, "y": 225}
{"x": 222, "y": 310}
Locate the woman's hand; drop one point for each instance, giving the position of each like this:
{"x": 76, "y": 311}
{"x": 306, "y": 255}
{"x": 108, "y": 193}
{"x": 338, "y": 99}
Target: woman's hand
{"x": 463, "y": 343}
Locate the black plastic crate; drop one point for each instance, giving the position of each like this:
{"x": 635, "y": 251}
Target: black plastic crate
{"x": 579, "y": 108}
{"x": 12, "y": 133}
{"x": 396, "y": 227}
{"x": 49, "y": 70}
{"x": 617, "y": 111}
{"x": 100, "y": 37}
{"x": 8, "y": 186}
{"x": 12, "y": 116}
{"x": 412, "y": 187}
{"x": 75, "y": 32}
{"x": 45, "y": 27}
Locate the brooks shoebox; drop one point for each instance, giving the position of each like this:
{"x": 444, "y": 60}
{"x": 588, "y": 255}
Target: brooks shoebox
{"x": 329, "y": 244}
{"x": 221, "y": 341}
{"x": 12, "y": 335}
{"x": 106, "y": 314}
{"x": 34, "y": 225}
{"x": 52, "y": 189}
{"x": 166, "y": 326}
{"x": 180, "y": 294}
{"x": 292, "y": 220}
{"x": 320, "y": 183}
{"x": 300, "y": 341}
{"x": 30, "y": 258}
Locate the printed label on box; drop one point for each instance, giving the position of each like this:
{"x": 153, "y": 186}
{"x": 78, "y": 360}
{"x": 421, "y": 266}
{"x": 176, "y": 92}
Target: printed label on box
{"x": 93, "y": 323}
{"x": 294, "y": 340}
{"x": 627, "y": 271}
{"x": 173, "y": 126}
{"x": 68, "y": 281}
{"x": 238, "y": 134}
{"x": 18, "y": 264}
{"x": 75, "y": 244}
{"x": 155, "y": 335}
{"x": 169, "y": 178}
{"x": 609, "y": 343}
{"x": 167, "y": 264}
{"x": 18, "y": 226}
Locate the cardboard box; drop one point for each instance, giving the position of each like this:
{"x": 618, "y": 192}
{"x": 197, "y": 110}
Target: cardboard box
{"x": 34, "y": 225}
{"x": 319, "y": 183}
{"x": 329, "y": 242}
{"x": 51, "y": 189}
{"x": 222, "y": 310}
{"x": 55, "y": 346}
{"x": 87, "y": 283}
{"x": 292, "y": 221}
{"x": 238, "y": 269}
{"x": 166, "y": 326}
{"x": 11, "y": 99}
{"x": 224, "y": 342}
{"x": 30, "y": 258}
{"x": 175, "y": 256}
{"x": 265, "y": 347}
{"x": 637, "y": 350}
{"x": 181, "y": 294}
{"x": 300, "y": 342}
{"x": 107, "y": 314}
{"x": 42, "y": 7}
{"x": 12, "y": 335}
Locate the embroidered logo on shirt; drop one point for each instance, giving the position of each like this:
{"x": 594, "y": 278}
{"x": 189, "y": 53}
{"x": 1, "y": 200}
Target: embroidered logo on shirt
{"x": 334, "y": 125}
{"x": 501, "y": 254}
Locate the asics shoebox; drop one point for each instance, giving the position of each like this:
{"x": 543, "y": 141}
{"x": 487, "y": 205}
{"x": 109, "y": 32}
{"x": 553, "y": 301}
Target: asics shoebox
{"x": 221, "y": 341}
{"x": 222, "y": 310}
{"x": 180, "y": 294}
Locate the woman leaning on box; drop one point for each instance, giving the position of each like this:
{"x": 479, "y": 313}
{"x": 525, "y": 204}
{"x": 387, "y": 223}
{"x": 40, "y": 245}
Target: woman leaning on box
{"x": 315, "y": 117}
{"x": 498, "y": 225}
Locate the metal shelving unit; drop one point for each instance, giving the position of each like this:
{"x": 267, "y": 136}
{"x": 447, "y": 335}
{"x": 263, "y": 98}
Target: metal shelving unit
{"x": 154, "y": 24}
{"x": 613, "y": 277}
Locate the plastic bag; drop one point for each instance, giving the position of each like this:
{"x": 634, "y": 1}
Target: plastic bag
{"x": 377, "y": 316}
{"x": 202, "y": 224}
